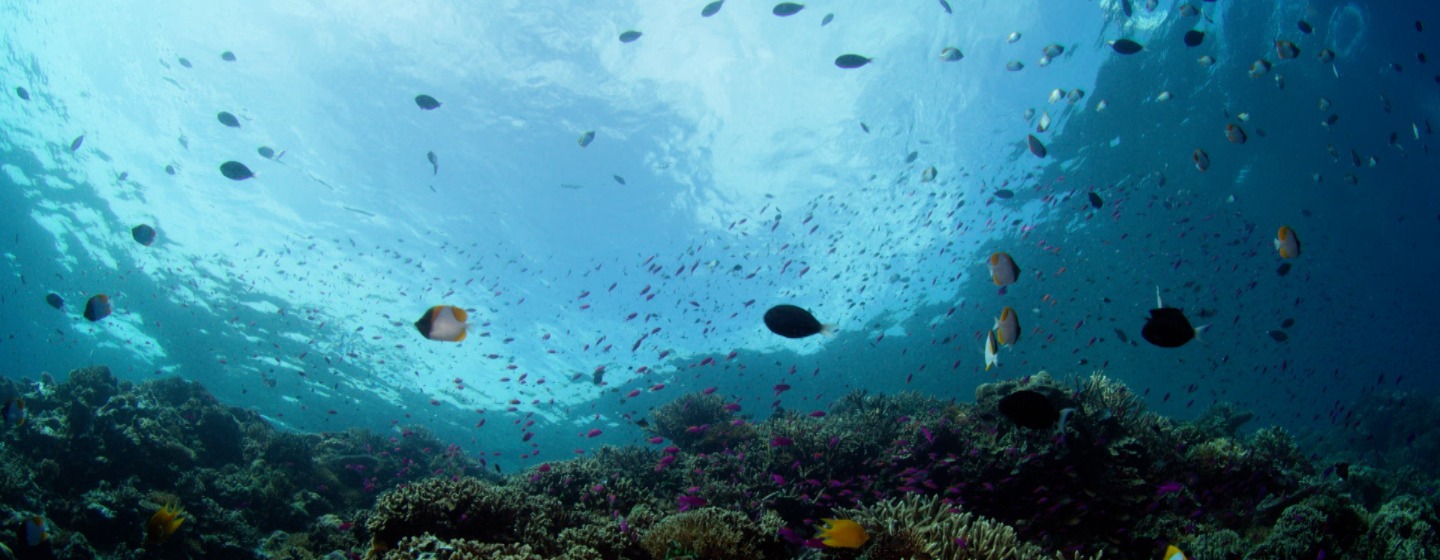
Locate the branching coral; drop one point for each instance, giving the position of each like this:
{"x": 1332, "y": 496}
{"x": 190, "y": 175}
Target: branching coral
{"x": 713, "y": 534}
{"x": 699, "y": 423}
{"x": 921, "y": 528}
{"x": 466, "y": 508}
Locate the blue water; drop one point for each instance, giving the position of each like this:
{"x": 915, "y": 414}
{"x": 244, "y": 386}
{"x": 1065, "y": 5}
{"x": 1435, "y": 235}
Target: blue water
{"x": 748, "y": 180}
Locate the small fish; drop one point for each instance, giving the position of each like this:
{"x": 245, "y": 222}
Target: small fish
{"x": 951, "y": 54}
{"x": 1286, "y": 50}
{"x": 1283, "y": 269}
{"x": 1007, "y": 327}
{"x": 14, "y": 412}
{"x": 443, "y": 323}
{"x": 1188, "y": 10}
{"x": 235, "y": 171}
{"x": 1324, "y": 104}
{"x": 266, "y": 152}
{"x": 827, "y": 19}
{"x": 791, "y": 321}
{"x": 786, "y": 9}
{"x": 1201, "y": 159}
{"x": 1278, "y": 335}
{"x": 1259, "y": 68}
{"x": 851, "y": 61}
{"x": 992, "y": 350}
{"x": 1287, "y": 243}
{"x": 77, "y": 142}
{"x": 434, "y": 162}
{"x": 1235, "y": 134}
{"x": 36, "y": 531}
{"x": 618, "y": 179}
{"x": 1004, "y": 193}
{"x": 1003, "y": 270}
{"x": 1326, "y": 56}
{"x": 586, "y": 138}
{"x": 143, "y": 234}
{"x": 1095, "y": 201}
{"x": 98, "y": 307}
{"x": 164, "y": 522}
{"x": 1101, "y": 105}
{"x": 22, "y": 93}
{"x": 841, "y": 533}
{"x": 1304, "y": 27}
{"x": 1053, "y": 50}
{"x": 1126, "y": 46}
{"x": 227, "y": 56}
{"x": 1044, "y": 123}
{"x": 1056, "y": 95}
{"x": 170, "y": 169}
{"x": 426, "y": 102}
{"x": 1206, "y": 60}
{"x": 1126, "y": 8}
{"x": 1172, "y": 553}
{"x": 1163, "y": 97}
{"x": 1014, "y": 36}
{"x": 1035, "y": 146}
{"x": 946, "y": 6}
{"x": 185, "y": 62}
{"x": 55, "y": 300}
{"x": 928, "y": 174}
{"x": 712, "y": 8}
{"x": 1194, "y": 37}
{"x": 629, "y": 36}
{"x": 1075, "y": 96}
{"x": 227, "y": 119}
{"x": 1014, "y": 66}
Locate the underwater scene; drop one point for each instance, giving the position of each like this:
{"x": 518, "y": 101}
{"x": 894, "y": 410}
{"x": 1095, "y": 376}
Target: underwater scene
{"x": 727, "y": 279}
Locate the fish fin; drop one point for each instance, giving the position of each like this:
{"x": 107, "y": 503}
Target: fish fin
{"x": 1158, "y": 304}
{"x": 1199, "y": 330}
{"x": 828, "y": 329}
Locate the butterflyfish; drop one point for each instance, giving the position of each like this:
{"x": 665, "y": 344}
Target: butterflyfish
{"x": 992, "y": 351}
{"x": 1235, "y": 134}
{"x": 36, "y": 531}
{"x": 1172, "y": 553}
{"x": 586, "y": 138}
{"x": 1286, "y": 243}
{"x": 1201, "y": 159}
{"x": 1003, "y": 270}
{"x": 784, "y": 9}
{"x": 14, "y": 412}
{"x": 791, "y": 321}
{"x": 98, "y": 307}
{"x": 164, "y": 523}
{"x": 1007, "y": 327}
{"x": 143, "y": 234}
{"x": 842, "y": 533}
{"x": 444, "y": 323}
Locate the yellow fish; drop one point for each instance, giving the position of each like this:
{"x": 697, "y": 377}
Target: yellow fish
{"x": 842, "y": 533}
{"x": 164, "y": 523}
{"x": 1172, "y": 553}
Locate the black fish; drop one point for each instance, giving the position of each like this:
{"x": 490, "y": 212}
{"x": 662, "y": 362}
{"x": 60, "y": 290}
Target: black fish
{"x": 1095, "y": 200}
{"x": 865, "y": 127}
{"x": 185, "y": 62}
{"x": 426, "y": 102}
{"x": 1035, "y": 146}
{"x": 75, "y": 144}
{"x": 629, "y": 36}
{"x": 22, "y": 93}
{"x": 1194, "y": 37}
{"x": 55, "y": 300}
{"x": 434, "y": 163}
{"x": 236, "y": 171}
{"x": 784, "y": 9}
{"x": 618, "y": 179}
{"x": 227, "y": 56}
{"x": 1123, "y": 339}
{"x": 1004, "y": 193}
{"x": 1287, "y": 323}
{"x": 1283, "y": 269}
{"x": 1126, "y": 46}
{"x": 851, "y": 61}
{"x": 712, "y": 8}
{"x": 1167, "y": 327}
{"x": 946, "y": 5}
{"x": 1029, "y": 409}
{"x": 227, "y": 119}
{"x": 143, "y": 234}
{"x": 1305, "y": 27}
{"x": 98, "y": 307}
{"x": 1127, "y": 8}
{"x": 266, "y": 152}
{"x": 1278, "y": 336}
{"x": 912, "y": 157}
{"x": 790, "y": 321}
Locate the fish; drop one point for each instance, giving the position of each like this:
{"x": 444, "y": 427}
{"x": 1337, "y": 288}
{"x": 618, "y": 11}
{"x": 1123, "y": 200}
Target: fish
{"x": 164, "y": 522}
{"x": 1167, "y": 327}
{"x": 827, "y": 19}
{"x": 266, "y": 152}
{"x": 992, "y": 350}
{"x": 55, "y": 300}
{"x": 1101, "y": 105}
{"x": 434, "y": 162}
{"x": 1201, "y": 159}
{"x": 1127, "y": 8}
{"x": 98, "y": 307}
{"x": 22, "y": 93}
{"x": 1287, "y": 243}
{"x": 1206, "y": 60}
{"x": 1095, "y": 201}
{"x": 1163, "y": 97}
{"x": 786, "y": 9}
{"x": 851, "y": 61}
{"x": 1305, "y": 27}
{"x": 1235, "y": 134}
{"x": 791, "y": 321}
{"x": 14, "y": 412}
{"x": 77, "y": 142}
{"x": 630, "y": 36}
{"x": 1278, "y": 335}
{"x": 227, "y": 119}
{"x": 712, "y": 8}
{"x": 1326, "y": 56}
{"x": 1044, "y": 123}
{"x": 951, "y": 54}
{"x": 1324, "y": 104}
{"x": 1029, "y": 409}
{"x": 235, "y": 171}
{"x": 1003, "y": 270}
{"x": 1194, "y": 37}
{"x": 227, "y": 56}
{"x": 1007, "y": 327}
{"x": 170, "y": 169}
{"x": 1035, "y": 146}
{"x": 928, "y": 174}
{"x": 1012, "y": 37}
{"x": 1286, "y": 50}
{"x": 1126, "y": 46}
{"x": 1172, "y": 553}
{"x": 1075, "y": 96}
{"x": 36, "y": 531}
{"x": 185, "y": 62}
{"x": 618, "y": 179}
{"x": 426, "y": 102}
{"x": 143, "y": 234}
{"x": 1259, "y": 68}
{"x": 1004, "y": 193}
{"x": 1188, "y": 10}
{"x": 1053, "y": 50}
{"x": 841, "y": 533}
{"x": 586, "y": 138}
{"x": 946, "y": 6}
{"x": 1014, "y": 66}
{"x": 1056, "y": 95}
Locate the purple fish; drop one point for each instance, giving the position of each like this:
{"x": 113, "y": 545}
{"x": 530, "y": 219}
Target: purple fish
{"x": 686, "y": 503}
{"x": 781, "y": 441}
{"x": 1169, "y": 488}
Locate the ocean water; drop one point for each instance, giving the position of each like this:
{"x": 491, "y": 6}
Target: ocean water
{"x": 734, "y": 167}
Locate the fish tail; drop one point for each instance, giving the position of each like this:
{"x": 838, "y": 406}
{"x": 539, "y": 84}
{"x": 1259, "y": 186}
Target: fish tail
{"x": 828, "y": 329}
{"x": 1199, "y": 330}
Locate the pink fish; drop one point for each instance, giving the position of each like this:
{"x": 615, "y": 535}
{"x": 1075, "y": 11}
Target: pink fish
{"x": 593, "y": 432}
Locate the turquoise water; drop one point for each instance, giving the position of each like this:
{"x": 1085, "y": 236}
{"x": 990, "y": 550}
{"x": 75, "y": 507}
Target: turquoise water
{"x": 733, "y": 167}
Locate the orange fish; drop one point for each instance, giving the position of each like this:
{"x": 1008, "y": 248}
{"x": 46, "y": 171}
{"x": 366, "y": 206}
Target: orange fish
{"x": 1287, "y": 243}
{"x": 1201, "y": 159}
{"x": 1235, "y": 134}
{"x": 164, "y": 523}
{"x": 443, "y": 322}
{"x": 1007, "y": 327}
{"x": 1003, "y": 270}
{"x": 842, "y": 533}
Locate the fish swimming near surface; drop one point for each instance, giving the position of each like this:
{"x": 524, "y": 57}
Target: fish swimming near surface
{"x": 851, "y": 61}
{"x": 227, "y": 119}
{"x": 1235, "y": 134}
{"x": 266, "y": 152}
{"x": 35, "y": 530}
{"x": 790, "y": 321}
{"x": 1014, "y": 66}
{"x": 1036, "y": 148}
{"x": 235, "y": 171}
{"x": 143, "y": 234}
{"x": 785, "y": 9}
{"x": 1126, "y": 46}
{"x": 77, "y": 142}
{"x": 444, "y": 323}
{"x": 841, "y": 533}
{"x": 1259, "y": 68}
{"x": 227, "y": 56}
{"x": 1003, "y": 270}
{"x": 1053, "y": 50}
{"x": 586, "y": 138}
{"x": 928, "y": 174}
{"x": 712, "y": 8}
{"x": 164, "y": 522}
{"x": 1029, "y": 409}
{"x": 22, "y": 93}
{"x": 14, "y": 412}
{"x": 55, "y": 300}
{"x": 1286, "y": 50}
{"x": 98, "y": 307}
{"x": 426, "y": 102}
{"x": 630, "y": 36}
{"x": 1287, "y": 243}
{"x": 1201, "y": 159}
{"x": 951, "y": 54}
{"x": 827, "y": 19}
{"x": 434, "y": 162}
{"x": 1167, "y": 327}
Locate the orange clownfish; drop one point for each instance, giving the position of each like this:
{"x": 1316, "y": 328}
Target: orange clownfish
{"x": 842, "y": 533}
{"x": 1287, "y": 243}
{"x": 443, "y": 322}
{"x": 1007, "y": 327}
{"x": 1003, "y": 270}
{"x": 164, "y": 523}
{"x": 1172, "y": 553}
